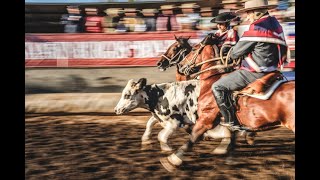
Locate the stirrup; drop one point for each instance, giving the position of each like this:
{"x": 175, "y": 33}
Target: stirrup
{"x": 228, "y": 124}
{"x": 231, "y": 126}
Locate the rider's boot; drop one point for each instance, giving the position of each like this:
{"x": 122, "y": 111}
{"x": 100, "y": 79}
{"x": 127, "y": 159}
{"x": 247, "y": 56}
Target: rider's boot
{"x": 224, "y": 101}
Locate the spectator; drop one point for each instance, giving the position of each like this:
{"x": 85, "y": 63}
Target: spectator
{"x": 167, "y": 21}
{"x": 206, "y": 17}
{"x": 73, "y": 21}
{"x": 150, "y": 18}
{"x": 132, "y": 21}
{"x": 93, "y": 20}
{"x": 189, "y": 19}
{"x": 112, "y": 18}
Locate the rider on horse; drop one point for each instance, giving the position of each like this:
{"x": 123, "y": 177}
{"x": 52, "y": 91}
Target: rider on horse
{"x": 225, "y": 34}
{"x": 263, "y": 47}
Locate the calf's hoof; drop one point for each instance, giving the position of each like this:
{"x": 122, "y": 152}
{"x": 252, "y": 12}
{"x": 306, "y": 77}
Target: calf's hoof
{"x": 146, "y": 142}
{"x": 146, "y": 147}
{"x": 165, "y": 147}
{"x": 220, "y": 151}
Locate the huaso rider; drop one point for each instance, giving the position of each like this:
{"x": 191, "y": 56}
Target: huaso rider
{"x": 225, "y": 34}
{"x": 263, "y": 47}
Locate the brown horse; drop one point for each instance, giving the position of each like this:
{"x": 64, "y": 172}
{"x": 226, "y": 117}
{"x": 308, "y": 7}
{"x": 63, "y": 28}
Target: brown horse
{"x": 174, "y": 54}
{"x": 253, "y": 114}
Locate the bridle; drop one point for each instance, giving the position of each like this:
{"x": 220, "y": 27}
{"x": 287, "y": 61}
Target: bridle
{"x": 181, "y": 53}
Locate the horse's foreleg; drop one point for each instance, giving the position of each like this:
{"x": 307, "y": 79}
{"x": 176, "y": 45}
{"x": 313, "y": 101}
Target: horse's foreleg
{"x": 165, "y": 133}
{"x": 145, "y": 139}
{"x": 175, "y": 159}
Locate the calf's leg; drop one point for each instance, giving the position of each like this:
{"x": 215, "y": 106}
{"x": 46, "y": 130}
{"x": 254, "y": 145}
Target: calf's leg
{"x": 145, "y": 139}
{"x": 165, "y": 133}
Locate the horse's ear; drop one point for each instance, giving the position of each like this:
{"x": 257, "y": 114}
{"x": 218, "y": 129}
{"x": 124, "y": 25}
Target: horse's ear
{"x": 141, "y": 83}
{"x": 176, "y": 37}
{"x": 188, "y": 38}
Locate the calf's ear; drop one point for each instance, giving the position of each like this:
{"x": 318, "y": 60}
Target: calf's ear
{"x": 141, "y": 83}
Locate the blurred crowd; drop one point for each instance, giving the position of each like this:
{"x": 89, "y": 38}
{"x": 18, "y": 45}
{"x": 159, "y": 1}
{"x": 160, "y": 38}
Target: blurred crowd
{"x": 186, "y": 17}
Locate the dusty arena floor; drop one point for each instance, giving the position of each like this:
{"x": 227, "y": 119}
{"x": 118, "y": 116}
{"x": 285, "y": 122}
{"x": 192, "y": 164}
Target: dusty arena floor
{"x": 98, "y": 146}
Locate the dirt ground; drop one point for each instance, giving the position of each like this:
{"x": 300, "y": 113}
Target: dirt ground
{"x": 100, "y": 146}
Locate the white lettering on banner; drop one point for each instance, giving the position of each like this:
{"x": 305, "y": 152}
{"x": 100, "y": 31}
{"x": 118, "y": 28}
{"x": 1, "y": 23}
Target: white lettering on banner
{"x": 100, "y": 49}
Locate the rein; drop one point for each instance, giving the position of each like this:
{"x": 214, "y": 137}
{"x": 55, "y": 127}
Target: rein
{"x": 193, "y": 59}
{"x": 223, "y": 66}
{"x": 211, "y": 68}
{"x": 180, "y": 53}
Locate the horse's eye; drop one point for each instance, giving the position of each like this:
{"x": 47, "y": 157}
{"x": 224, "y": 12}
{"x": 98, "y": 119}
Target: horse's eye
{"x": 174, "y": 49}
{"x": 127, "y": 96}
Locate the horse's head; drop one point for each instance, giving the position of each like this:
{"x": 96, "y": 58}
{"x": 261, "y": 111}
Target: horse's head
{"x": 189, "y": 65}
{"x": 175, "y": 53}
{"x": 132, "y": 96}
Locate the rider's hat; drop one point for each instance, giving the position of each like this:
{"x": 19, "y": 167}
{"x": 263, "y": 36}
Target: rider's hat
{"x": 256, "y": 4}
{"x": 224, "y": 17}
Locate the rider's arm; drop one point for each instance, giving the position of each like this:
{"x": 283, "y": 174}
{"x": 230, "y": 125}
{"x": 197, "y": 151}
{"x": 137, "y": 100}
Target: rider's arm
{"x": 242, "y": 48}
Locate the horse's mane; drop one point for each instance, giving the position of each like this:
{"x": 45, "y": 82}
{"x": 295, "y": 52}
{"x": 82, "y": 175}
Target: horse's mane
{"x": 210, "y": 39}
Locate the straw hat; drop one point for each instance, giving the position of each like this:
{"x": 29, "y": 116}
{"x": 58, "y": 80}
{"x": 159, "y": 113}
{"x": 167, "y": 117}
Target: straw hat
{"x": 168, "y": 7}
{"x": 231, "y": 2}
{"x": 130, "y": 10}
{"x": 189, "y": 6}
{"x": 256, "y": 4}
{"x": 149, "y": 11}
{"x": 113, "y": 11}
{"x": 91, "y": 9}
{"x": 206, "y": 9}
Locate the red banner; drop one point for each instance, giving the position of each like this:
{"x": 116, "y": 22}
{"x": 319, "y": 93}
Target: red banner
{"x": 99, "y": 50}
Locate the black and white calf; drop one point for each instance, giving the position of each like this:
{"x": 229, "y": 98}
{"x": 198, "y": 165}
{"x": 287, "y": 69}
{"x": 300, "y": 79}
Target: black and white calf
{"x": 173, "y": 105}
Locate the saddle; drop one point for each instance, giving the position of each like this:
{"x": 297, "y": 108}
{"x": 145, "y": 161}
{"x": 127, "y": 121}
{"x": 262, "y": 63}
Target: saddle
{"x": 263, "y": 87}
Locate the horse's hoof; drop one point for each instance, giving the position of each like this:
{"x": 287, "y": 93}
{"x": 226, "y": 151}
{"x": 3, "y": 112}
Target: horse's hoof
{"x": 206, "y": 138}
{"x": 167, "y": 165}
{"x": 250, "y": 140}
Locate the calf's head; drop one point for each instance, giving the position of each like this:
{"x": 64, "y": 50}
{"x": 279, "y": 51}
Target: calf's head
{"x": 132, "y": 96}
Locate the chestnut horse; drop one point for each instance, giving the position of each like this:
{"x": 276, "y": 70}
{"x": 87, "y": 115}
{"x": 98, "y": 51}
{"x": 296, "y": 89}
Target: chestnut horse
{"x": 253, "y": 114}
{"x": 174, "y": 54}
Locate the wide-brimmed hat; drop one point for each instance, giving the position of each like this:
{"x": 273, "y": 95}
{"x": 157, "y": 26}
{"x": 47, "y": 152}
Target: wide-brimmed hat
{"x": 113, "y": 11}
{"x": 130, "y": 10}
{"x": 206, "y": 9}
{"x": 149, "y": 11}
{"x": 231, "y": 2}
{"x": 168, "y": 7}
{"x": 224, "y": 17}
{"x": 189, "y": 6}
{"x": 256, "y": 4}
